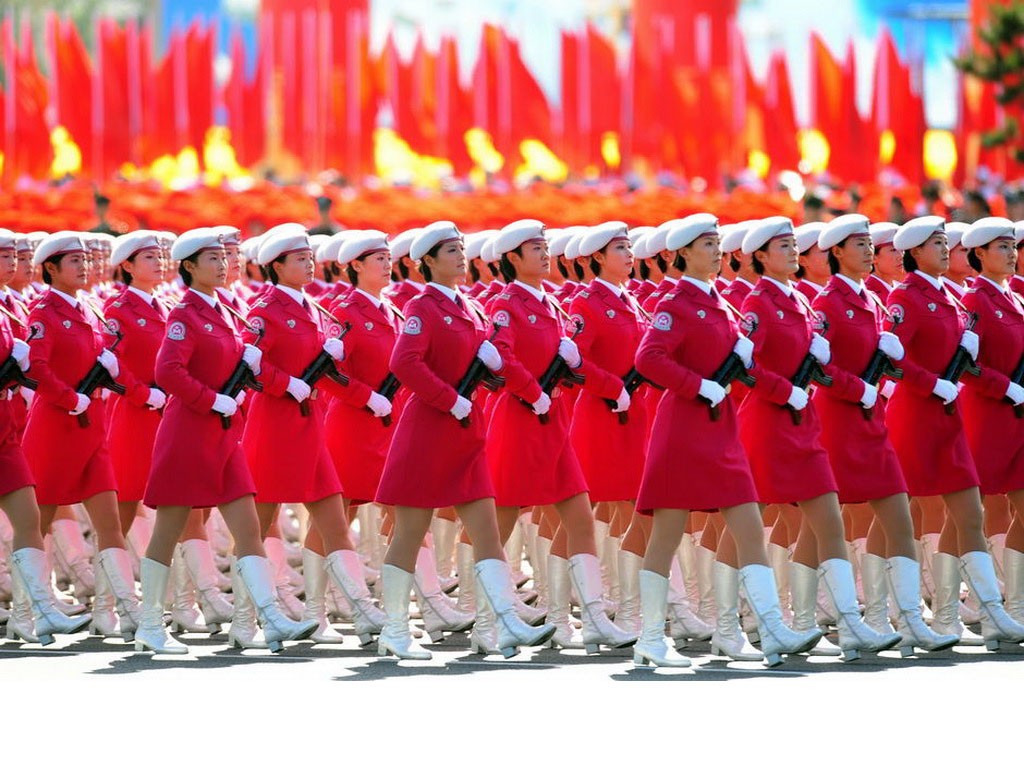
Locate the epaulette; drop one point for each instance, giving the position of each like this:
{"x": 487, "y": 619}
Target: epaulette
{"x": 824, "y": 292}
{"x": 342, "y": 303}
{"x": 115, "y": 304}
{"x": 180, "y": 305}
{"x": 584, "y": 294}
{"x": 261, "y": 303}
{"x": 756, "y": 292}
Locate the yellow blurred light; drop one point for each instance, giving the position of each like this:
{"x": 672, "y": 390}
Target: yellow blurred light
{"x": 940, "y": 157}
{"x": 886, "y": 147}
{"x": 540, "y": 162}
{"x": 67, "y": 157}
{"x": 610, "y": 150}
{"x": 758, "y": 162}
{"x": 482, "y": 151}
{"x": 219, "y": 157}
{"x": 397, "y": 163}
{"x": 814, "y": 150}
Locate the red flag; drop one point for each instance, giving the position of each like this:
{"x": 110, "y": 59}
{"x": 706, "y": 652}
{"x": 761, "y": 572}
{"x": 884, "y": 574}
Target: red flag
{"x": 454, "y": 109}
{"x": 781, "y": 127}
{"x": 898, "y": 108}
{"x": 27, "y": 143}
{"x": 827, "y": 99}
{"x": 71, "y": 83}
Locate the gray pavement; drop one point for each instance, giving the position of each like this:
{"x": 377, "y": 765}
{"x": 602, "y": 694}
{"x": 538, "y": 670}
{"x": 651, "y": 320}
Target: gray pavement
{"x": 339, "y": 702}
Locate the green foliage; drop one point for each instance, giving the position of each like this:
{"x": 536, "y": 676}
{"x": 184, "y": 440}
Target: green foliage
{"x": 999, "y": 59}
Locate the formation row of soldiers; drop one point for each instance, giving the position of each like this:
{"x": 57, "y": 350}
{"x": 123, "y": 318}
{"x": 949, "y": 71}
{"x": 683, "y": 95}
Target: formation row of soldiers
{"x": 661, "y": 419}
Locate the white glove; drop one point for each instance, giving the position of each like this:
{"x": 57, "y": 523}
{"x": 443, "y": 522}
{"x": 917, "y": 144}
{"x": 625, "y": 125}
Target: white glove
{"x": 568, "y": 351}
{"x": 462, "y": 408}
{"x": 225, "y": 406}
{"x": 157, "y": 399}
{"x": 744, "y": 347}
{"x": 969, "y": 341}
{"x": 797, "y": 399}
{"x": 821, "y": 349}
{"x": 945, "y": 390}
{"x": 83, "y": 403}
{"x": 888, "y": 388}
{"x": 870, "y": 396}
{"x": 335, "y": 348}
{"x": 28, "y": 395}
{"x": 380, "y": 405}
{"x": 240, "y": 398}
{"x": 489, "y": 355}
{"x": 109, "y": 361}
{"x": 712, "y": 391}
{"x": 20, "y": 354}
{"x": 298, "y": 389}
{"x": 1015, "y": 392}
{"x": 891, "y": 345}
{"x": 252, "y": 356}
{"x": 543, "y": 404}
{"x": 622, "y": 402}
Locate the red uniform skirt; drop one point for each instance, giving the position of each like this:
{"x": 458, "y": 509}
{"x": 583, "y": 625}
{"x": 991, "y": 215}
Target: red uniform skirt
{"x": 694, "y": 463}
{"x": 610, "y": 454}
{"x": 995, "y": 437}
{"x": 862, "y": 458}
{"x": 787, "y": 460}
{"x": 358, "y": 443}
{"x": 131, "y": 434}
{"x": 70, "y": 463}
{"x": 433, "y": 461}
{"x": 14, "y": 471}
{"x": 931, "y": 444}
{"x": 532, "y": 463}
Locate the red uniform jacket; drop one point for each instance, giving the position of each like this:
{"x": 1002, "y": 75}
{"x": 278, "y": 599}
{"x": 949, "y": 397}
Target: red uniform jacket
{"x": 994, "y": 434}
{"x": 196, "y": 462}
{"x": 647, "y": 287}
{"x": 736, "y": 293}
{"x": 404, "y": 292}
{"x": 70, "y": 463}
{"x": 286, "y": 451}
{"x": 692, "y": 461}
{"x": 665, "y": 287}
{"x": 131, "y": 430}
{"x": 15, "y": 473}
{"x": 358, "y": 441}
{"x": 19, "y": 411}
{"x": 863, "y": 460}
{"x": 787, "y": 460}
{"x": 930, "y": 443}
{"x": 531, "y": 462}
{"x": 433, "y": 461}
{"x": 880, "y": 288}
{"x": 611, "y": 454}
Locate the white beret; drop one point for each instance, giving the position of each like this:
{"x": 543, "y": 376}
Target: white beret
{"x": 487, "y": 254}
{"x": 1018, "y": 232}
{"x": 7, "y": 238}
{"x": 807, "y": 235}
{"x": 193, "y": 241}
{"x": 433, "y": 235}
{"x": 656, "y": 239}
{"x": 916, "y": 231}
{"x": 250, "y": 247}
{"x": 316, "y": 241}
{"x": 64, "y": 241}
{"x": 882, "y": 233}
{"x": 984, "y": 231}
{"x": 402, "y": 243}
{"x": 596, "y": 238}
{"x": 954, "y": 233}
{"x": 572, "y": 248}
{"x": 640, "y": 249}
{"x": 515, "y": 234}
{"x": 329, "y": 251}
{"x": 635, "y": 233}
{"x": 280, "y": 244}
{"x": 126, "y": 246}
{"x": 475, "y": 242}
{"x": 837, "y": 230}
{"x": 364, "y": 241}
{"x": 231, "y": 235}
{"x": 732, "y": 240}
{"x": 762, "y": 231}
{"x": 689, "y": 229}
{"x": 557, "y": 242}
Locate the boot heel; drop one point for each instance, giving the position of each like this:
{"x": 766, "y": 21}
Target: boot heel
{"x": 140, "y": 647}
{"x": 45, "y": 639}
{"x": 773, "y": 660}
{"x": 436, "y": 636}
{"x": 275, "y": 646}
{"x": 365, "y": 639}
{"x": 990, "y": 645}
{"x": 591, "y": 648}
{"x": 851, "y": 655}
{"x": 128, "y": 636}
{"x": 382, "y": 651}
{"x": 906, "y": 650}
{"x": 509, "y": 652}
{"x": 640, "y": 661}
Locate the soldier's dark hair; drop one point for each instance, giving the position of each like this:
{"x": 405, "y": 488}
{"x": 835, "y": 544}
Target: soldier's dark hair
{"x": 186, "y": 276}
{"x": 508, "y": 271}
{"x": 56, "y": 260}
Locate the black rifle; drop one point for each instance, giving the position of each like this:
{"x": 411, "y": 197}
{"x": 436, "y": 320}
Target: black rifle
{"x": 98, "y": 377}
{"x": 558, "y": 372}
{"x": 388, "y": 389}
{"x": 1017, "y": 377}
{"x": 631, "y": 382}
{"x": 879, "y": 366}
{"x": 240, "y": 379}
{"x": 323, "y": 365}
{"x": 810, "y": 370}
{"x": 961, "y": 363}
{"x": 732, "y": 369}
{"x": 11, "y": 375}
{"x": 478, "y": 374}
